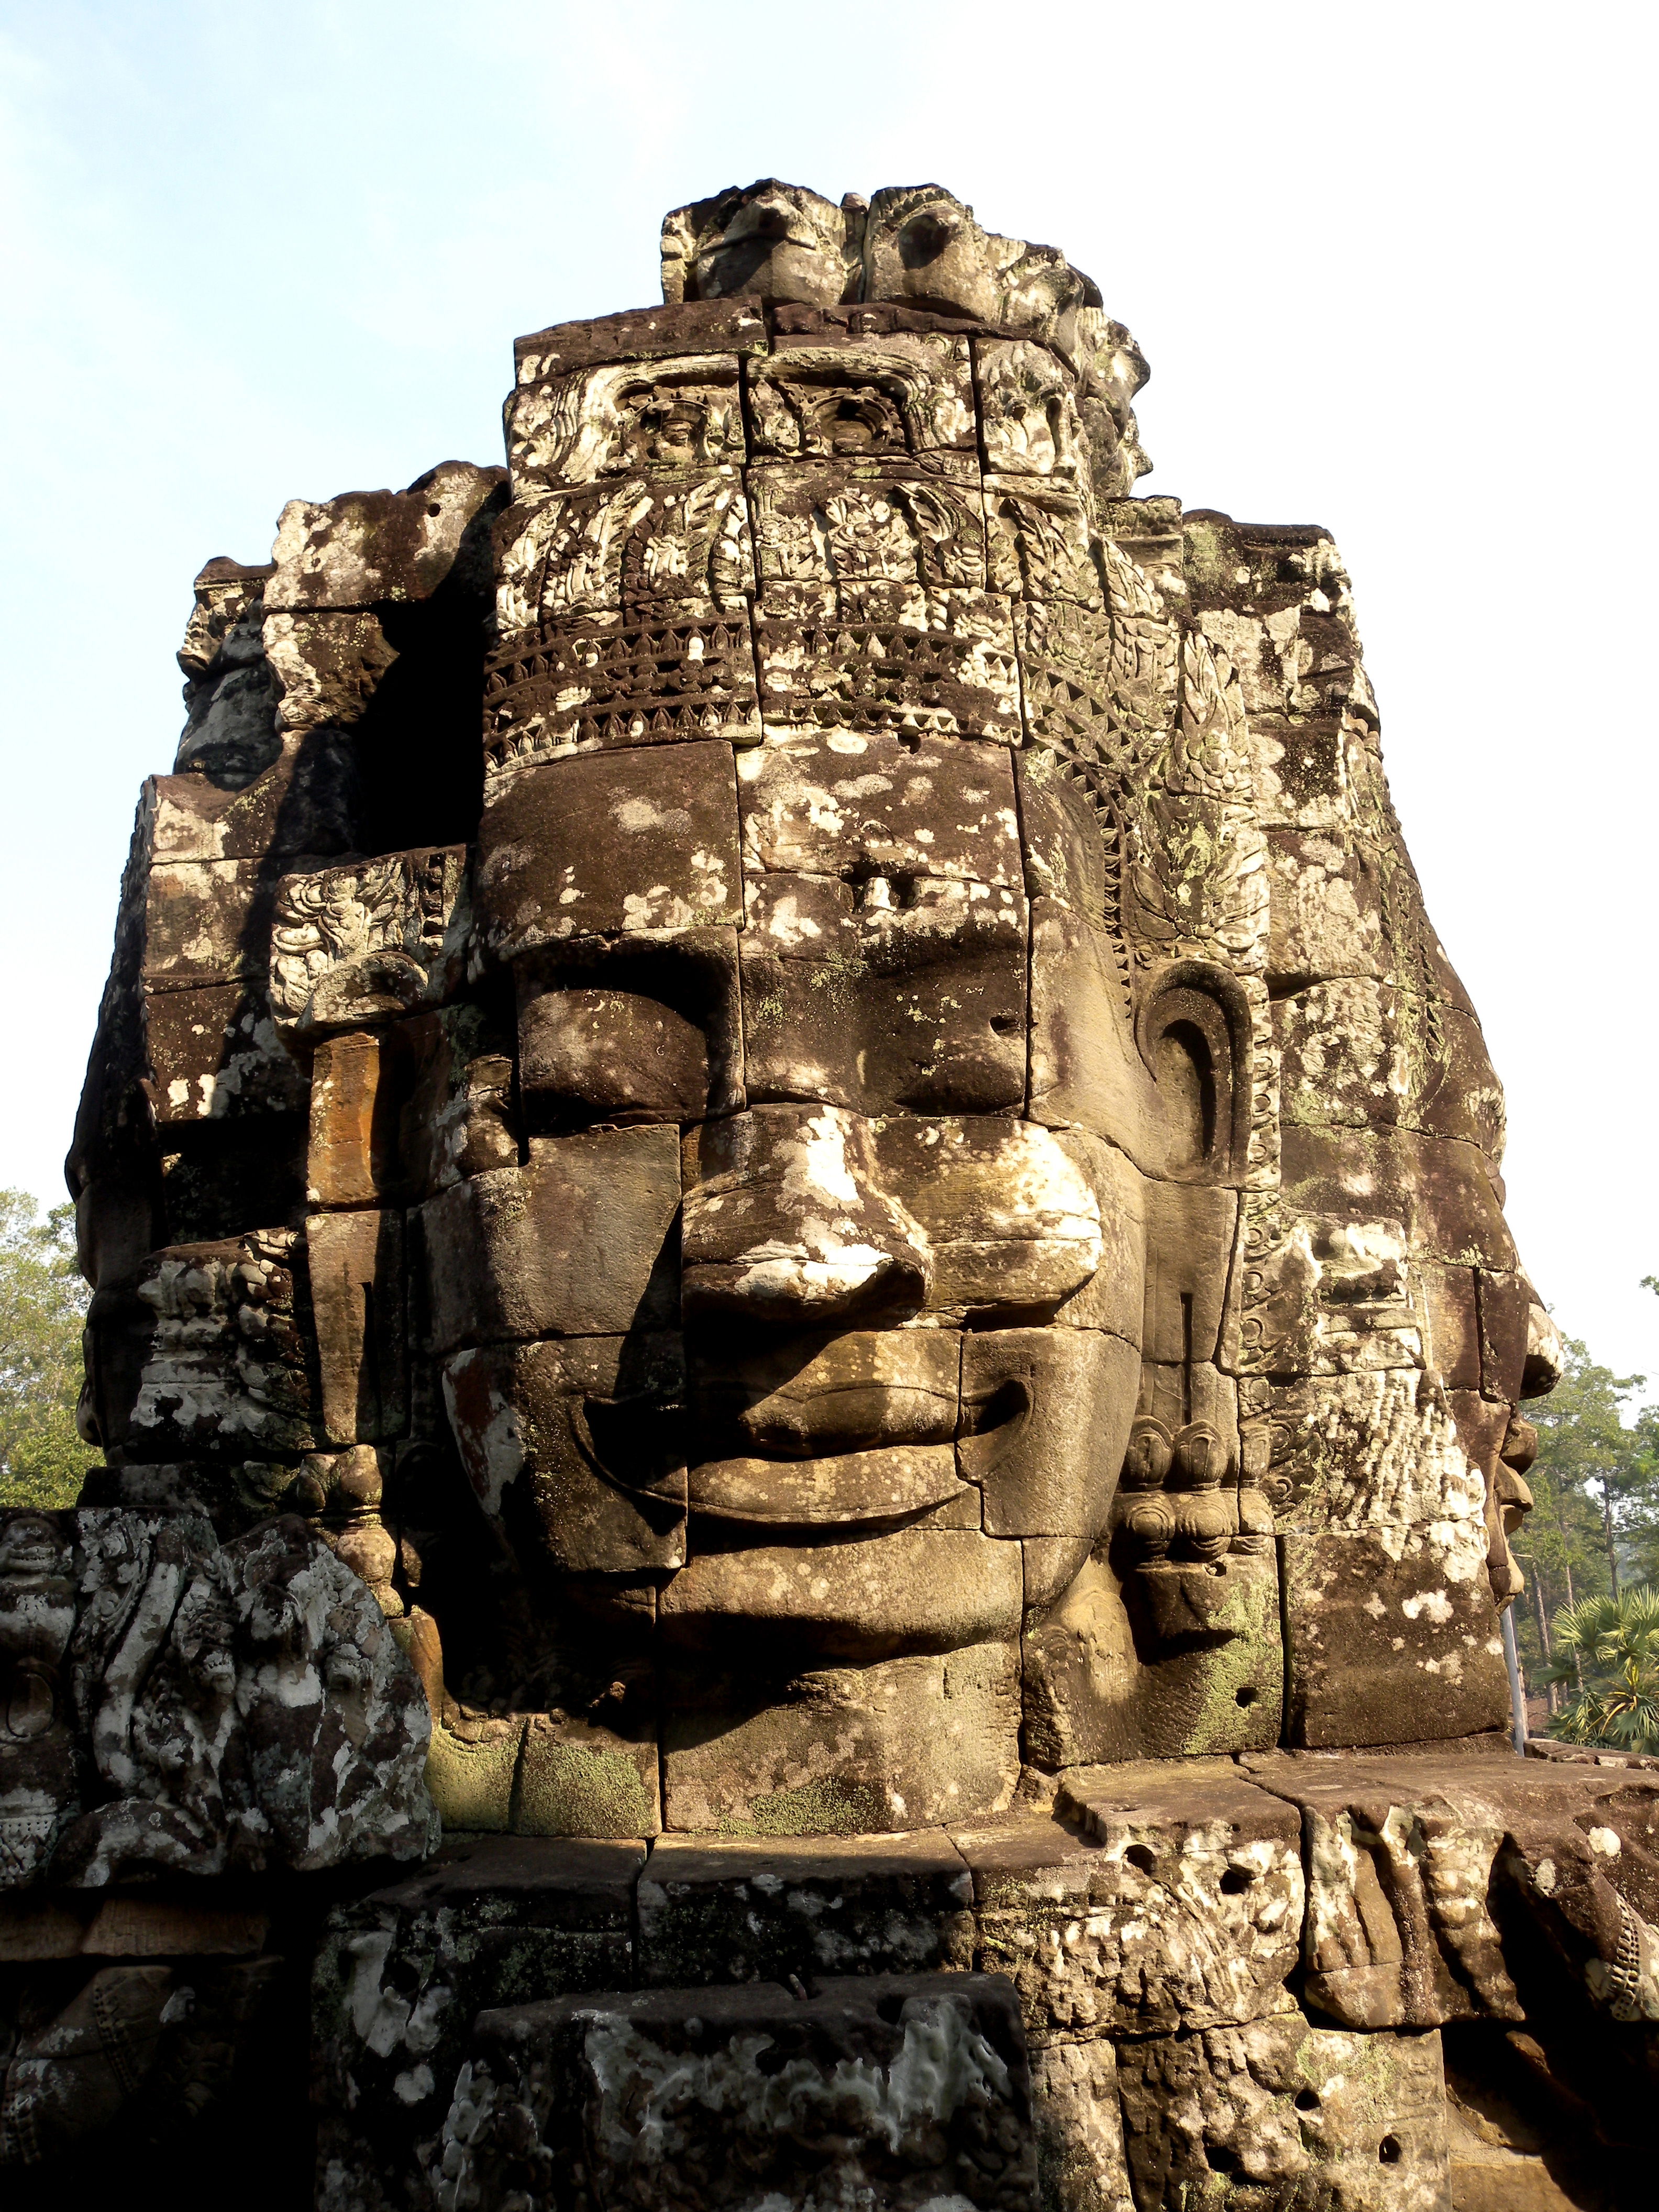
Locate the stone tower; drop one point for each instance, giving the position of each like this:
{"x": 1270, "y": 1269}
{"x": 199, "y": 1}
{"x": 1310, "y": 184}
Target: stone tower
{"x": 830, "y": 1318}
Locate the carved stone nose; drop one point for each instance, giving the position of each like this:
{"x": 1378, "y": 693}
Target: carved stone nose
{"x": 785, "y": 1219}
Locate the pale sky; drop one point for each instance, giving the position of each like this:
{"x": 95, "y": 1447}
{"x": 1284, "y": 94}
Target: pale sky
{"x": 1391, "y": 264}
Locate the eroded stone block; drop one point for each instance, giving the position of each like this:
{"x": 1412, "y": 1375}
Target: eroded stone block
{"x": 401, "y": 1974}
{"x": 1180, "y": 1905}
{"x": 643, "y": 546}
{"x": 355, "y": 1264}
{"x": 605, "y": 684}
{"x": 243, "y": 1705}
{"x": 760, "y": 2076}
{"x": 1393, "y": 1634}
{"x": 815, "y": 523}
{"x": 219, "y": 1364}
{"x": 623, "y": 418}
{"x": 1290, "y": 2112}
{"x": 215, "y": 1056}
{"x": 816, "y": 804}
{"x": 902, "y": 397}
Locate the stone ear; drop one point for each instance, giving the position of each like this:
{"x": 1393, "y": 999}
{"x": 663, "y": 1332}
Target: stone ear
{"x": 1192, "y": 1028}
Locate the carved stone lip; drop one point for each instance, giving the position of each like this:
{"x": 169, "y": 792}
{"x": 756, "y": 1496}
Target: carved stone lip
{"x": 890, "y": 1484}
{"x": 842, "y": 1418}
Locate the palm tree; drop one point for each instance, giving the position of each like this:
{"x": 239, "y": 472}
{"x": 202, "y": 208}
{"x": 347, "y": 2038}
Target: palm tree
{"x": 1607, "y": 1647}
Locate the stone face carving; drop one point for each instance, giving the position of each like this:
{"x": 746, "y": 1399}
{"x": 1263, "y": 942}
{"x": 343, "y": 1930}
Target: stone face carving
{"x": 783, "y": 1066}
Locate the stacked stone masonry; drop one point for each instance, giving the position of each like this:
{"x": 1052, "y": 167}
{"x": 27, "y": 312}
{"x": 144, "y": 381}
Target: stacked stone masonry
{"x": 795, "y": 1228}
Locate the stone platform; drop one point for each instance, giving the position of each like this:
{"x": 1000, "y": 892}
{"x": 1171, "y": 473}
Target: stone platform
{"x": 1336, "y": 1980}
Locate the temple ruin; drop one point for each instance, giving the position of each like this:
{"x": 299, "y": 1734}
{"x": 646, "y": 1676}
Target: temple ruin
{"x": 809, "y": 1378}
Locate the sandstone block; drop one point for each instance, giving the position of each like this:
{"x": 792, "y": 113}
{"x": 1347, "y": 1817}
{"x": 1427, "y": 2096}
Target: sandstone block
{"x": 458, "y": 1117}
{"x": 888, "y": 657}
{"x": 717, "y": 1910}
{"x": 358, "y": 943}
{"x": 1047, "y": 1415}
{"x": 1393, "y": 1634}
{"x": 816, "y": 803}
{"x": 301, "y": 804}
{"x": 225, "y": 592}
{"x": 1441, "y": 1189}
{"x": 1369, "y": 1452}
{"x": 1326, "y": 907}
{"x": 894, "y": 1745}
{"x": 900, "y": 398}
{"x": 916, "y": 1588}
{"x": 786, "y": 1216}
{"x": 637, "y": 840}
{"x": 873, "y": 999}
{"x": 1010, "y": 1212}
{"x": 1060, "y": 839}
{"x": 624, "y": 418}
{"x": 577, "y": 1447}
{"x": 575, "y": 1244}
{"x": 469, "y": 1772}
{"x": 699, "y": 326}
{"x": 814, "y": 522}
{"x": 352, "y": 1156}
{"x": 355, "y": 1264}
{"x": 329, "y": 663}
{"x": 1084, "y": 1070}
{"x": 840, "y": 1427}
{"x": 631, "y": 1029}
{"x": 219, "y": 1364}
{"x": 1417, "y": 1863}
{"x": 231, "y": 735}
{"x": 1079, "y": 2134}
{"x": 1032, "y": 427}
{"x": 401, "y": 1973}
{"x": 206, "y": 920}
{"x": 575, "y": 1779}
{"x": 1037, "y": 540}
{"x": 215, "y": 1056}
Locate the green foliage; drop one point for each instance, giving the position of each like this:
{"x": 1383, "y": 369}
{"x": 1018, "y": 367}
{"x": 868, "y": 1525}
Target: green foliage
{"x": 42, "y": 1303}
{"x": 1562, "y": 1546}
{"x": 1611, "y": 1640}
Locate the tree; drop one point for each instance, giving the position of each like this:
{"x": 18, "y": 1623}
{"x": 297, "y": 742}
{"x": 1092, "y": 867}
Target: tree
{"x": 43, "y": 1302}
{"x": 1610, "y": 1644}
{"x": 1588, "y": 1467}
